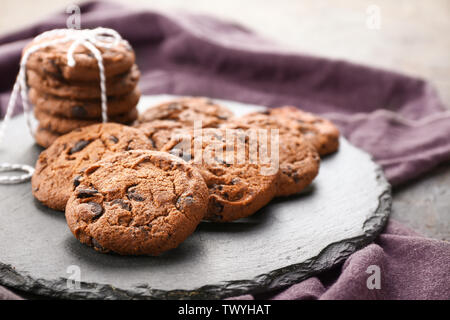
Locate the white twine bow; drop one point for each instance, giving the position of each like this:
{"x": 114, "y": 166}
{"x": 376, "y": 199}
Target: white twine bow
{"x": 91, "y": 39}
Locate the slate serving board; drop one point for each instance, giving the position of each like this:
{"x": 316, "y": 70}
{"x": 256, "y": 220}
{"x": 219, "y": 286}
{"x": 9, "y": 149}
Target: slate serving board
{"x": 287, "y": 241}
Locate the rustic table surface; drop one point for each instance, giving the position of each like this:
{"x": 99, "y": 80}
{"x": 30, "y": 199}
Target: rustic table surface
{"x": 410, "y": 38}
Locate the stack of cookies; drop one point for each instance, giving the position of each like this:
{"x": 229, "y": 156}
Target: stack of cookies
{"x": 67, "y": 98}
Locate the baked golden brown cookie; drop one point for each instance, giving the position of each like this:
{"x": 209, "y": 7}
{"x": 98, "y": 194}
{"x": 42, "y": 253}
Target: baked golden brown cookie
{"x": 238, "y": 184}
{"x": 64, "y": 125}
{"x": 299, "y": 161}
{"x": 83, "y": 109}
{"x": 161, "y": 121}
{"x": 137, "y": 203}
{"x": 323, "y": 134}
{"x": 53, "y": 60}
{"x": 117, "y": 85}
{"x": 187, "y": 110}
{"x": 299, "y": 164}
{"x": 58, "y": 166}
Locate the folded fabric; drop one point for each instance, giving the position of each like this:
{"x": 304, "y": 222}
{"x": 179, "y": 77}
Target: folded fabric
{"x": 398, "y": 119}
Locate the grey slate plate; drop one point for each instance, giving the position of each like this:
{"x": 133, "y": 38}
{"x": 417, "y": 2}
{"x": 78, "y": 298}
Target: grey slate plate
{"x": 287, "y": 241}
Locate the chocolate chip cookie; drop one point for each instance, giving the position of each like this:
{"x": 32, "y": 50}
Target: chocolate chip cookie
{"x": 325, "y": 137}
{"x": 298, "y": 159}
{"x": 187, "y": 110}
{"x": 299, "y": 164}
{"x": 137, "y": 203}
{"x": 323, "y": 134}
{"x": 64, "y": 125}
{"x": 59, "y": 166}
{"x": 117, "y": 85}
{"x": 82, "y": 109}
{"x": 240, "y": 181}
{"x": 160, "y": 122}
{"x": 53, "y": 60}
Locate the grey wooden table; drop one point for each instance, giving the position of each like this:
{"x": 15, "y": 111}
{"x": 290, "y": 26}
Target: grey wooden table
{"x": 411, "y": 38}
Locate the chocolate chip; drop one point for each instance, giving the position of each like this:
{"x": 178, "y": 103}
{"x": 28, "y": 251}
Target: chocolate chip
{"x": 122, "y": 204}
{"x": 216, "y": 207}
{"x": 183, "y": 201}
{"x": 113, "y": 139}
{"x": 266, "y": 112}
{"x": 58, "y": 74}
{"x": 97, "y": 246}
{"x": 96, "y": 209}
{"x": 128, "y": 147}
{"x": 152, "y": 142}
{"x": 86, "y": 193}
{"x": 80, "y": 145}
{"x": 133, "y": 195}
{"x": 76, "y": 181}
{"x": 297, "y": 178}
{"x": 78, "y": 112}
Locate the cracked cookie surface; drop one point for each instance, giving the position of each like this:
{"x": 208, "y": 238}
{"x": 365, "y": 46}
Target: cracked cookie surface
{"x": 137, "y": 203}
{"x": 58, "y": 166}
{"x": 322, "y": 133}
{"x": 237, "y": 186}
{"x": 298, "y": 159}
{"x": 163, "y": 120}
{"x": 187, "y": 110}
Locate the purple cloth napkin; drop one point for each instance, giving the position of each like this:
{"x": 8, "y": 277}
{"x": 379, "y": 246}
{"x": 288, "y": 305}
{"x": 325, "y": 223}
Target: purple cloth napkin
{"x": 398, "y": 119}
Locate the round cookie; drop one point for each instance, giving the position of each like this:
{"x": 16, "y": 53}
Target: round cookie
{"x": 82, "y": 109}
{"x": 64, "y": 125}
{"x": 299, "y": 164}
{"x": 58, "y": 166}
{"x": 322, "y": 141}
{"x": 45, "y": 137}
{"x": 299, "y": 161}
{"x": 160, "y": 122}
{"x": 237, "y": 186}
{"x": 117, "y": 85}
{"x": 137, "y": 203}
{"x": 322, "y": 133}
{"x": 53, "y": 60}
{"x": 187, "y": 110}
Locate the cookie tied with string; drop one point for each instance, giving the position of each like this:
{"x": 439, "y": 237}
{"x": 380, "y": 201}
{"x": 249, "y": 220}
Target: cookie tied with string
{"x": 53, "y": 60}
